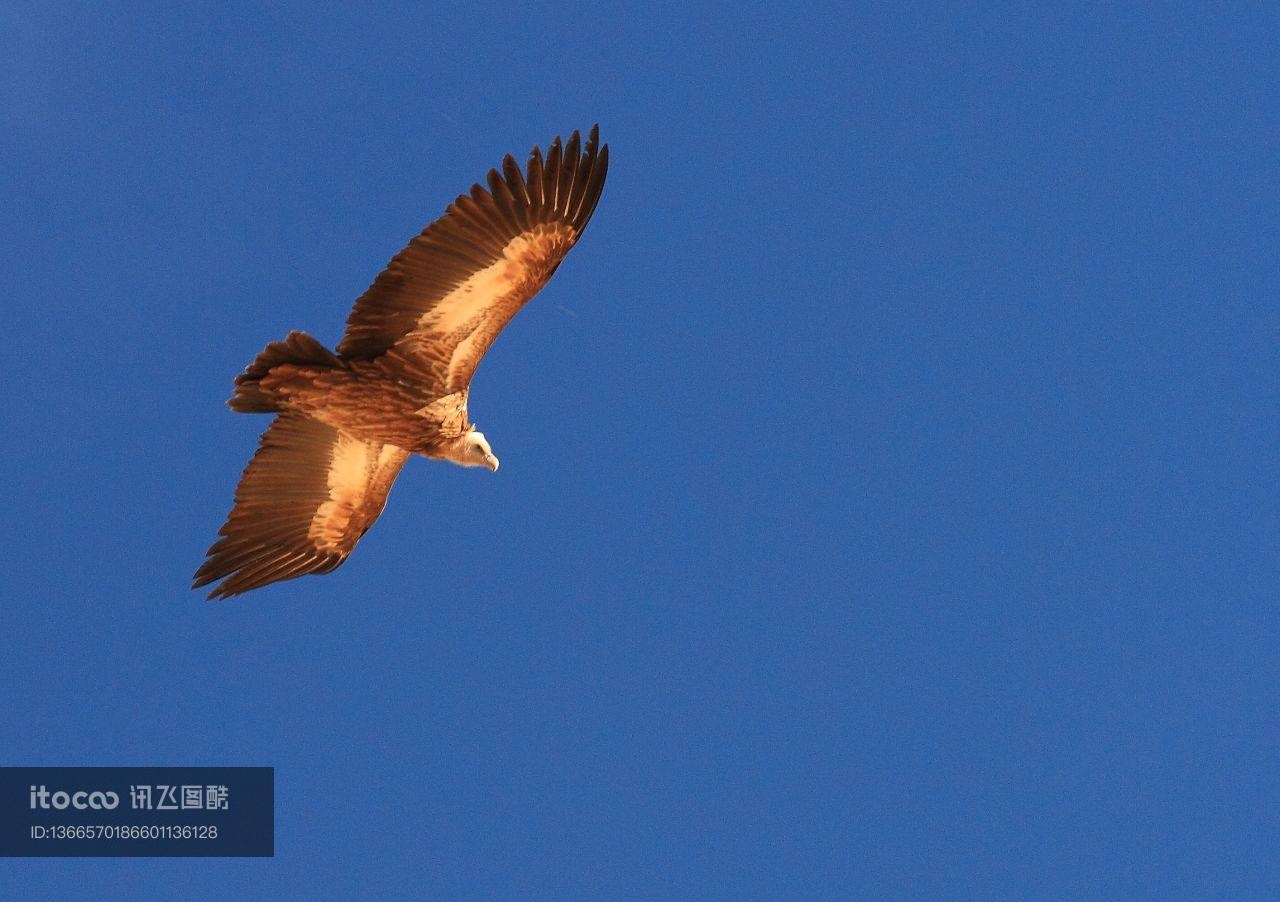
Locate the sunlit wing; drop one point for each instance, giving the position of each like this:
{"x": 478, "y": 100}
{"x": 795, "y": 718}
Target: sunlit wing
{"x": 441, "y": 301}
{"x": 303, "y": 503}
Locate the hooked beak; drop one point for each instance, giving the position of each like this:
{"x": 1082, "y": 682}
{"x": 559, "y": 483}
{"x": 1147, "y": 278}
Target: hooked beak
{"x": 491, "y": 462}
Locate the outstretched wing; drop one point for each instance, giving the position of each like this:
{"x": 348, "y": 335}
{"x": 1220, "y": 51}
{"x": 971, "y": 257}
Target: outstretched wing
{"x": 305, "y": 499}
{"x": 440, "y": 303}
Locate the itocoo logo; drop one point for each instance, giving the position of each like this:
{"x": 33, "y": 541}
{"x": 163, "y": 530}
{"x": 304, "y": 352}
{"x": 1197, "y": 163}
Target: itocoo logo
{"x": 42, "y": 798}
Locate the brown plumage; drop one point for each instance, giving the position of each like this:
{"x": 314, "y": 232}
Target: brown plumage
{"x": 347, "y": 421}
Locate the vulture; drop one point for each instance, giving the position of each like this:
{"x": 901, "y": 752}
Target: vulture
{"x": 396, "y": 384}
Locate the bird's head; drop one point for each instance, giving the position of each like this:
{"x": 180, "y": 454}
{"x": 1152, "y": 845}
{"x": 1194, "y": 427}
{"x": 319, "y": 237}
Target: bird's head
{"x": 476, "y": 451}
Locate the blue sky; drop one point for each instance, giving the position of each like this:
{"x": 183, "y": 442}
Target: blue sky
{"x": 887, "y": 505}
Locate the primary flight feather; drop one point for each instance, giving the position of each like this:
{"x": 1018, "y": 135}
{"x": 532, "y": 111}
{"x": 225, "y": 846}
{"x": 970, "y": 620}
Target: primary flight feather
{"x": 397, "y": 385}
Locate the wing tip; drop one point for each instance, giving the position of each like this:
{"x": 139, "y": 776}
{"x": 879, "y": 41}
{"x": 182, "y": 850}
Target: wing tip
{"x": 256, "y": 572}
{"x": 203, "y": 578}
{"x": 208, "y": 574}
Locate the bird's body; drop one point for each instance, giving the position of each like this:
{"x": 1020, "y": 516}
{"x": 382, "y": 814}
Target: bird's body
{"x": 398, "y": 382}
{"x": 367, "y": 399}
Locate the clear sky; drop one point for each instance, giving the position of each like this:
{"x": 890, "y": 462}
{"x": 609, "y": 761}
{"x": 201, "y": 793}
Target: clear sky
{"x": 884, "y": 506}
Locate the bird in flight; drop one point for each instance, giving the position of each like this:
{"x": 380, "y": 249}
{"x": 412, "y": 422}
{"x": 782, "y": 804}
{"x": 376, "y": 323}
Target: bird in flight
{"x": 347, "y": 420}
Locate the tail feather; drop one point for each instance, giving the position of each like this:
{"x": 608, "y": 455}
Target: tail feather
{"x": 298, "y": 348}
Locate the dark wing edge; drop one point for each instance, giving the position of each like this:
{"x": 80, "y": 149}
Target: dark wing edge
{"x": 563, "y": 188}
{"x": 307, "y": 496}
